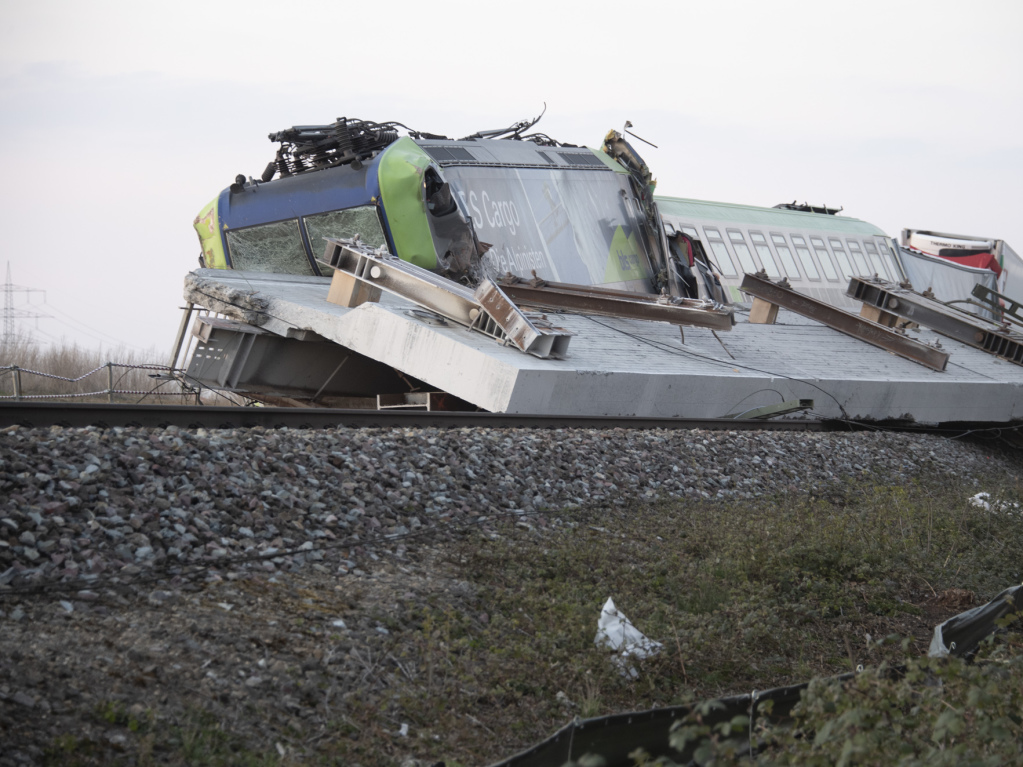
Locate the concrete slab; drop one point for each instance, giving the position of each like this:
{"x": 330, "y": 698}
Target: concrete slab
{"x": 631, "y": 367}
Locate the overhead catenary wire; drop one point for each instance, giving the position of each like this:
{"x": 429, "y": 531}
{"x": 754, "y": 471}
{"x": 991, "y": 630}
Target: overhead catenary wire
{"x": 103, "y": 336}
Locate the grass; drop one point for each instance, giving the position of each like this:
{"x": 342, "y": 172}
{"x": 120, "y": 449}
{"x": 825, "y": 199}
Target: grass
{"x": 742, "y": 595}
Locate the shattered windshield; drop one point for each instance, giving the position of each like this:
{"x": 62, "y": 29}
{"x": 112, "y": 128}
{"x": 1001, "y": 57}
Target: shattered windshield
{"x": 275, "y": 247}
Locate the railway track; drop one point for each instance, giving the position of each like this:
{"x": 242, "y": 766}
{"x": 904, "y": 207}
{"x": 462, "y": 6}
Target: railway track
{"x": 102, "y": 415}
{"x": 38, "y": 414}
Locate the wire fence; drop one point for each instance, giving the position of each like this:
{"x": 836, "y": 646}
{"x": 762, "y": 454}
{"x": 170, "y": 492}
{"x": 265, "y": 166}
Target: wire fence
{"x": 110, "y": 382}
{"x": 32, "y": 371}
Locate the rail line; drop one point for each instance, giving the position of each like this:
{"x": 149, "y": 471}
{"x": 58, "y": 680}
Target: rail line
{"x": 103, "y": 415}
{"x": 39, "y": 414}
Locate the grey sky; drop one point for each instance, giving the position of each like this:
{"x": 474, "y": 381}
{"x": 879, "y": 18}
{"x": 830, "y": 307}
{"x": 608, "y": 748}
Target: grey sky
{"x": 120, "y": 120}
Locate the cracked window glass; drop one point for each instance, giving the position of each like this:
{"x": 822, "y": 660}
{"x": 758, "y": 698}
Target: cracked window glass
{"x": 344, "y": 225}
{"x": 273, "y": 247}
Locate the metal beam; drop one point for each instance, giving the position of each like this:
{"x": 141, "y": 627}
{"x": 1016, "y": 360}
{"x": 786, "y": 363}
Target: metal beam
{"x": 450, "y": 299}
{"x": 530, "y": 334}
{"x": 949, "y": 321}
{"x": 999, "y": 303}
{"x": 498, "y": 318}
{"x": 850, "y": 324}
{"x": 583, "y": 299}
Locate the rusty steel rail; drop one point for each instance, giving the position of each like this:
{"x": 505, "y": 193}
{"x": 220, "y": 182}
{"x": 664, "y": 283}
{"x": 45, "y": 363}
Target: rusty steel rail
{"x": 844, "y": 322}
{"x": 619, "y": 303}
{"x": 956, "y": 324}
{"x": 105, "y": 416}
{"x": 223, "y": 417}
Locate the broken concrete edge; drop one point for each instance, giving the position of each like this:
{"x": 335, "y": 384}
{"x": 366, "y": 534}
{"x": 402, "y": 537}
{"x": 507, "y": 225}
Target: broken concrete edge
{"x": 246, "y": 306}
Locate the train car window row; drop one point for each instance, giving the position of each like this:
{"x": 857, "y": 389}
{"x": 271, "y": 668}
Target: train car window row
{"x": 845, "y": 265}
{"x": 720, "y": 250}
{"x": 764, "y": 251}
{"x": 746, "y": 260}
{"x": 824, "y": 257}
{"x": 888, "y": 258}
{"x": 858, "y": 262}
{"x": 875, "y": 260}
{"x": 774, "y": 253}
{"x": 803, "y": 252}
{"x": 785, "y": 254}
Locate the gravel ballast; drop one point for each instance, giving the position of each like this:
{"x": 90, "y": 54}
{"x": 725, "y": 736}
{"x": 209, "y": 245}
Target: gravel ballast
{"x": 80, "y": 504}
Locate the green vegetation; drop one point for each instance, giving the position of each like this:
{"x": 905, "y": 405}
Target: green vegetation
{"x": 932, "y": 712}
{"x": 198, "y": 739}
{"x": 742, "y": 595}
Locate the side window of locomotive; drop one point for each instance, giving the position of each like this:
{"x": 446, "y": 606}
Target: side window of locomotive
{"x": 742, "y": 251}
{"x": 344, "y": 225}
{"x": 717, "y": 245}
{"x": 275, "y": 247}
{"x": 691, "y": 231}
{"x": 764, "y": 251}
{"x": 824, "y": 257}
{"x": 879, "y": 265}
{"x": 805, "y": 258}
{"x": 785, "y": 255}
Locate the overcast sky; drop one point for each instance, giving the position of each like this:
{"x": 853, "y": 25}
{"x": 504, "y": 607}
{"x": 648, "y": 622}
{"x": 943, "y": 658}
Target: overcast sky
{"x": 120, "y": 120}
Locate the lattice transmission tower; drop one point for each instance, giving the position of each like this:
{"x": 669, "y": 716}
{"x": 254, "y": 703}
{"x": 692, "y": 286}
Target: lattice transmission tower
{"x": 12, "y": 312}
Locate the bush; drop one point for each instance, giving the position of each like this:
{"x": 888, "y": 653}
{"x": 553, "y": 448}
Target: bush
{"x": 934, "y": 711}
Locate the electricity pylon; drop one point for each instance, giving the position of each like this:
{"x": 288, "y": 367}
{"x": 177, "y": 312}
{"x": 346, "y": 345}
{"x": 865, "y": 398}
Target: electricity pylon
{"x": 11, "y": 312}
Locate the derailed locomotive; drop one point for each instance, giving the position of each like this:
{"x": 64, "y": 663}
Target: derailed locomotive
{"x": 496, "y": 202}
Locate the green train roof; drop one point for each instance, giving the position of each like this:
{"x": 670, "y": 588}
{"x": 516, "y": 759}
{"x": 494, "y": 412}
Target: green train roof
{"x": 701, "y": 210}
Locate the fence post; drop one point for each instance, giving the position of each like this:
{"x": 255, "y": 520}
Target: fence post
{"x": 110, "y": 382}
{"x": 17, "y": 381}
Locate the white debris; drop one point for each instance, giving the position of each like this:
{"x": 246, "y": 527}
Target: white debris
{"x": 564, "y": 700}
{"x": 616, "y": 632}
{"x": 983, "y": 501}
{"x": 938, "y": 649}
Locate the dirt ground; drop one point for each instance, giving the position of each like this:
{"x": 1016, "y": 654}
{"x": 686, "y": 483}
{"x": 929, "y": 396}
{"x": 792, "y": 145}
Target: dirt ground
{"x": 235, "y": 670}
